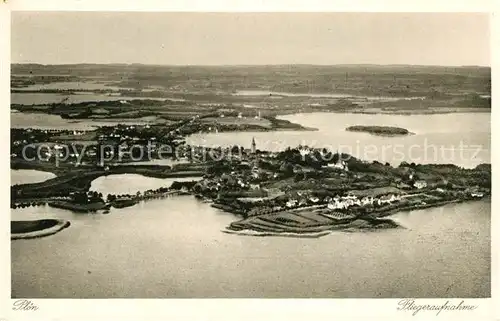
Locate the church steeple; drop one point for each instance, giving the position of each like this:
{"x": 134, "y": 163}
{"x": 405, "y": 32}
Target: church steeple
{"x": 254, "y": 147}
{"x": 339, "y": 160}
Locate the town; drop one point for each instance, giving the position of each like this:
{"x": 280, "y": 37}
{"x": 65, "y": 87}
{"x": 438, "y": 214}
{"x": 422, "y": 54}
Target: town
{"x": 308, "y": 189}
{"x": 301, "y": 189}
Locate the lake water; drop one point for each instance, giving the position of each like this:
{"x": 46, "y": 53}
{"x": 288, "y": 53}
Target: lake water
{"x": 163, "y": 162}
{"x": 52, "y": 98}
{"x": 132, "y": 183}
{"x": 46, "y": 121}
{"x": 460, "y": 138}
{"x": 25, "y": 176}
{"x": 174, "y": 248}
{"x": 316, "y": 95}
{"x": 74, "y": 85}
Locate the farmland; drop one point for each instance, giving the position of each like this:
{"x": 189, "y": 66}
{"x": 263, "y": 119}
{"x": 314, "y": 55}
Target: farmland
{"x": 178, "y": 92}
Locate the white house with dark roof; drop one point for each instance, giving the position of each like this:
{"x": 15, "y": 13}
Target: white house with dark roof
{"x": 420, "y": 184}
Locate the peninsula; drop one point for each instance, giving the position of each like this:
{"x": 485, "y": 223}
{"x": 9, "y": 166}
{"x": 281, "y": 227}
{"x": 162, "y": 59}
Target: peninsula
{"x": 37, "y": 228}
{"x": 304, "y": 191}
{"x": 300, "y": 191}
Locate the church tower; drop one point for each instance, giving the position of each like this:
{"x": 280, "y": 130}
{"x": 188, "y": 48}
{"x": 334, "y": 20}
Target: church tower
{"x": 254, "y": 148}
{"x": 339, "y": 158}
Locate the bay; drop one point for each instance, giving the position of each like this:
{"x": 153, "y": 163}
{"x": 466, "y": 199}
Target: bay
{"x": 463, "y": 139}
{"x": 174, "y": 248}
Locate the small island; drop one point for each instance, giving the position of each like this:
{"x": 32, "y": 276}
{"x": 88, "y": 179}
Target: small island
{"x": 380, "y": 130}
{"x": 296, "y": 192}
{"x": 37, "y": 228}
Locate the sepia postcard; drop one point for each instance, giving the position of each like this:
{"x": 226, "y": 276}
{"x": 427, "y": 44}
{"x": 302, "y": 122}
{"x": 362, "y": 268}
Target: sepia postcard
{"x": 338, "y": 156}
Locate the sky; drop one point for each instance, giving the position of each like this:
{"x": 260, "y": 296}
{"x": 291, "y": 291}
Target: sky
{"x": 449, "y": 39}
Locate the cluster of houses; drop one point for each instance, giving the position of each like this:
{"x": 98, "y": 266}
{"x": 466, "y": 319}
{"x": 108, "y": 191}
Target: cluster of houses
{"x": 302, "y": 202}
{"x": 302, "y": 199}
{"x": 340, "y": 164}
{"x": 234, "y": 180}
{"x": 420, "y": 184}
{"x": 119, "y": 143}
{"x": 35, "y": 138}
{"x": 477, "y": 194}
{"x": 343, "y": 202}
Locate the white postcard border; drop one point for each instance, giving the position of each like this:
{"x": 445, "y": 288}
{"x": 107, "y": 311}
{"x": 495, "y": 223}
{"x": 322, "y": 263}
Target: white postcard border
{"x": 233, "y": 309}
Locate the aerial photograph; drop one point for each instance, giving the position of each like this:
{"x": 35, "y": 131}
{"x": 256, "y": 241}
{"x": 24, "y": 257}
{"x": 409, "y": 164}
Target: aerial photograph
{"x": 250, "y": 155}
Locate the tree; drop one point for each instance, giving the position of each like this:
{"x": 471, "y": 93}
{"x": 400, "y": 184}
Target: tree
{"x": 404, "y": 164}
{"x": 299, "y": 176}
{"x": 80, "y": 197}
{"x": 235, "y": 150}
{"x": 287, "y": 169}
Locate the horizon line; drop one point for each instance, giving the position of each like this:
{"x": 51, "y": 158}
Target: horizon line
{"x": 247, "y": 65}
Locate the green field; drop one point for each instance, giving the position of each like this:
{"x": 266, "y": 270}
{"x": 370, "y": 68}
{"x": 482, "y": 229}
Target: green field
{"x": 238, "y": 121}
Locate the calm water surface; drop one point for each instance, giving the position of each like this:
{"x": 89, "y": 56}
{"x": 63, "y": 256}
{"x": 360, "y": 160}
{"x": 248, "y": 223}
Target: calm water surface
{"x": 133, "y": 183}
{"x": 80, "y": 97}
{"x": 73, "y": 85}
{"x": 174, "y": 248}
{"x": 462, "y": 139}
{"x": 25, "y": 176}
{"x": 166, "y": 161}
{"x": 316, "y": 95}
{"x": 46, "y": 121}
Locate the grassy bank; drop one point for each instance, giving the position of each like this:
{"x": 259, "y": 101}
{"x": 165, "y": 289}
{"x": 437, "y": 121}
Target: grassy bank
{"x": 36, "y": 229}
{"x": 82, "y": 208}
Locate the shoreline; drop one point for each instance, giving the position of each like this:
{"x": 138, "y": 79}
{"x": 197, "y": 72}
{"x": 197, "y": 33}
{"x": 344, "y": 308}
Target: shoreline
{"x": 386, "y": 131}
{"x": 312, "y": 235}
{"x": 36, "y": 228}
{"x": 255, "y": 172}
{"x": 401, "y": 112}
{"x": 278, "y": 116}
{"x": 264, "y": 224}
{"x": 417, "y": 112}
{"x": 271, "y": 224}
